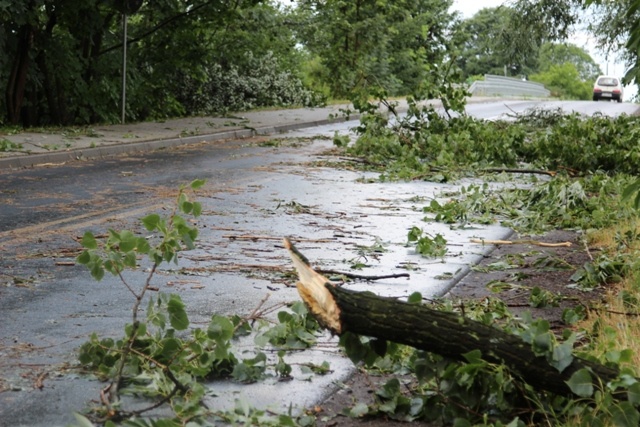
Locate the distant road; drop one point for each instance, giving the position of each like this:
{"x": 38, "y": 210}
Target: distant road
{"x": 497, "y": 110}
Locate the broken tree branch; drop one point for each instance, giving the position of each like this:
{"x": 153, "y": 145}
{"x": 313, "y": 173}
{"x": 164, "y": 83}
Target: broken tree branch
{"x": 445, "y": 333}
{"x": 530, "y": 171}
{"x": 521, "y": 242}
{"x": 363, "y": 277}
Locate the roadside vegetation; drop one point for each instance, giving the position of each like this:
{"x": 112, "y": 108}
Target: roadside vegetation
{"x": 526, "y": 175}
{"x": 63, "y": 60}
{"x": 522, "y": 173}
{"x": 538, "y": 172}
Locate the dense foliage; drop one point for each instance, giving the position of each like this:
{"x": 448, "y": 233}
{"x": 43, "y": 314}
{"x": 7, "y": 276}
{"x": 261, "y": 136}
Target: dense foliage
{"x": 511, "y": 39}
{"x": 580, "y": 192}
{"x": 381, "y": 44}
{"x": 62, "y": 60}
{"x": 564, "y": 82}
{"x": 562, "y": 53}
{"x": 483, "y": 50}
{"x": 616, "y": 26}
{"x": 426, "y": 145}
{"x": 566, "y": 70}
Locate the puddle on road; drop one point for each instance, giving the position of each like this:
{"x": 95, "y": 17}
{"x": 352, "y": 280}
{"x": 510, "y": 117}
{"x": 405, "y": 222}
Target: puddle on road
{"x": 340, "y": 224}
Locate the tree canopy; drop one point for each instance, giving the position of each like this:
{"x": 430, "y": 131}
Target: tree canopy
{"x": 560, "y": 53}
{"x": 563, "y": 80}
{"x": 388, "y": 44}
{"x": 520, "y": 38}
{"x": 62, "y": 59}
{"x": 483, "y": 52}
{"x": 567, "y": 70}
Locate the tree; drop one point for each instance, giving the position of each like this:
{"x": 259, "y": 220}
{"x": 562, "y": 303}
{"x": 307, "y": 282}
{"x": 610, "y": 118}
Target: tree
{"x": 482, "y": 52}
{"x": 564, "y": 81}
{"x": 560, "y": 53}
{"x": 227, "y": 56}
{"x": 448, "y": 334}
{"x": 567, "y": 70}
{"x": 367, "y": 43}
{"x": 512, "y": 36}
{"x": 615, "y": 24}
{"x": 51, "y": 49}
{"x": 62, "y": 58}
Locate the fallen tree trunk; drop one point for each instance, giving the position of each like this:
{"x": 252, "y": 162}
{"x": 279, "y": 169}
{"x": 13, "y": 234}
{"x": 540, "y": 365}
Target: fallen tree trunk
{"x": 444, "y": 333}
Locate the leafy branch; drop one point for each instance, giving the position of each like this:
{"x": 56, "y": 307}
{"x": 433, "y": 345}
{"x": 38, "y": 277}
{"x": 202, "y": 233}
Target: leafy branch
{"x": 121, "y": 250}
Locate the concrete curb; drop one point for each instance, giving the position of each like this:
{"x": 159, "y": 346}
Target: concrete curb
{"x": 26, "y": 161}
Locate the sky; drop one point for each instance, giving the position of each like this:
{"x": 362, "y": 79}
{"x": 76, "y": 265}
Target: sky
{"x": 469, "y": 7}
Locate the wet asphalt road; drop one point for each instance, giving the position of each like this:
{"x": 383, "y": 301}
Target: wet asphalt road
{"x": 254, "y": 196}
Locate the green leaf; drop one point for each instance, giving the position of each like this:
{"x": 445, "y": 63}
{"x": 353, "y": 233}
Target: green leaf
{"x": 390, "y": 389}
{"x": 354, "y": 348}
{"x": 220, "y": 329}
{"x": 543, "y": 343}
{"x": 128, "y": 241}
{"x": 177, "y": 314}
{"x": 151, "y": 221}
{"x": 359, "y": 410}
{"x": 89, "y": 241}
{"x": 461, "y": 422}
{"x": 415, "y": 298}
{"x": 581, "y": 383}
{"x": 97, "y": 271}
{"x": 114, "y": 236}
{"x": 130, "y": 259}
{"x": 474, "y": 356}
{"x": 197, "y": 183}
{"x": 197, "y": 209}
{"x": 186, "y": 207}
{"x": 379, "y": 346}
{"x": 631, "y": 190}
{"x": 84, "y": 258}
{"x": 142, "y": 246}
{"x": 414, "y": 234}
{"x": 297, "y": 307}
{"x": 170, "y": 346}
{"x": 633, "y": 393}
{"x": 625, "y": 414}
{"x": 562, "y": 356}
{"x": 82, "y": 420}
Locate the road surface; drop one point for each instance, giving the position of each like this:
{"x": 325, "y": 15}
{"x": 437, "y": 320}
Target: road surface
{"x": 257, "y": 192}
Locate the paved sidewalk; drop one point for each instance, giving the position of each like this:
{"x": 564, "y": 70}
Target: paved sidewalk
{"x": 99, "y": 141}
{"x": 41, "y": 148}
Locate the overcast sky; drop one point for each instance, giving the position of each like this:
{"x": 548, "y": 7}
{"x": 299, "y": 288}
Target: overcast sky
{"x": 470, "y": 7}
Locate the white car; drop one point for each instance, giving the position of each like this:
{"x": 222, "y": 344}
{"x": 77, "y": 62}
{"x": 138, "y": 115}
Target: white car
{"x": 607, "y": 87}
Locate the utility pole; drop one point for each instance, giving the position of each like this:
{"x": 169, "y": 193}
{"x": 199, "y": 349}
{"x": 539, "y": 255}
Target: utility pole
{"x": 125, "y": 7}
{"x": 124, "y": 66}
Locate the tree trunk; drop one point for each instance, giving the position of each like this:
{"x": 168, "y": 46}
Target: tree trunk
{"x": 444, "y": 333}
{"x": 451, "y": 335}
{"x": 17, "y": 81}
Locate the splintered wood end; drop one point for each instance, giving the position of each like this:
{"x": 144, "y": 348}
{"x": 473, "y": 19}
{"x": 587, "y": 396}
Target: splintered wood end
{"x": 312, "y": 289}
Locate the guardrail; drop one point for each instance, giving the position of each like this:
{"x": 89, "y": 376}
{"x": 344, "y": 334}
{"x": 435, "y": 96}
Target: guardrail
{"x": 493, "y": 85}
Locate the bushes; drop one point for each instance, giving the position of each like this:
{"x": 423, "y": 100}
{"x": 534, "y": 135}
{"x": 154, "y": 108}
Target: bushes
{"x": 261, "y": 84}
{"x": 564, "y": 82}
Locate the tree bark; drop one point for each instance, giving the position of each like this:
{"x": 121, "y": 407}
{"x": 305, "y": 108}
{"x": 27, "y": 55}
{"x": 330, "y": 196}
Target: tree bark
{"x": 451, "y": 335}
{"x": 17, "y": 81}
{"x": 445, "y": 333}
